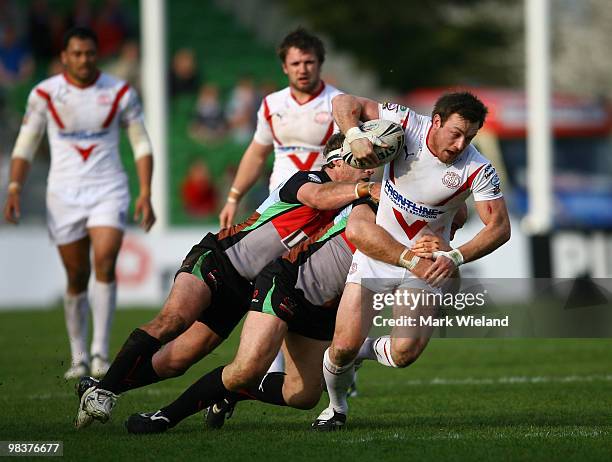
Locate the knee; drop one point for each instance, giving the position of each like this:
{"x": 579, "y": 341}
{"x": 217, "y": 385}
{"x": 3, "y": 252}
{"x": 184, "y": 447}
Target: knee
{"x": 78, "y": 278}
{"x": 238, "y": 376}
{"x": 305, "y": 398}
{"x": 171, "y": 368}
{"x": 166, "y": 326}
{"x": 343, "y": 353}
{"x": 404, "y": 357}
{"x": 105, "y": 268}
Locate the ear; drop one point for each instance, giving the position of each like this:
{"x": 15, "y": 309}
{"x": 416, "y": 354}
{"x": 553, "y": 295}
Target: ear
{"x": 285, "y": 71}
{"x": 436, "y": 121}
{"x": 64, "y": 57}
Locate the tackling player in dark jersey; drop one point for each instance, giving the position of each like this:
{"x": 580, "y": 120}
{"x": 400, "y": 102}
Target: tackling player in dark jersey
{"x": 295, "y": 300}
{"x": 213, "y": 284}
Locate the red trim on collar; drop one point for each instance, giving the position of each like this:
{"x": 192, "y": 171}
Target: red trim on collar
{"x": 313, "y": 96}
{"x": 78, "y": 85}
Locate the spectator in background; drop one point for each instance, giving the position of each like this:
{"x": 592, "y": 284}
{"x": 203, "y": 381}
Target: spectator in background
{"x": 242, "y": 109}
{"x": 111, "y": 24}
{"x": 184, "y": 77}
{"x": 16, "y": 63}
{"x": 198, "y": 191}
{"x": 208, "y": 120}
{"x": 127, "y": 65}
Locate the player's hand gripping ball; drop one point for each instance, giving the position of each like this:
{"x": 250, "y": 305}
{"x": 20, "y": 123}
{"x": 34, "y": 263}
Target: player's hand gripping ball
{"x": 380, "y": 132}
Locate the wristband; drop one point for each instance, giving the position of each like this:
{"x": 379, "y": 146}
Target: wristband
{"x": 234, "y": 195}
{"x": 370, "y": 186}
{"x": 360, "y": 192}
{"x": 454, "y": 255}
{"x": 353, "y": 133}
{"x": 14, "y": 187}
{"x": 408, "y": 264}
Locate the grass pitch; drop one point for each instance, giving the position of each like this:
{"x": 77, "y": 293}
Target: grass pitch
{"x": 462, "y": 400}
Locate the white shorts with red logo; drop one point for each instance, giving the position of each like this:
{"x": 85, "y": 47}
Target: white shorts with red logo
{"x": 71, "y": 210}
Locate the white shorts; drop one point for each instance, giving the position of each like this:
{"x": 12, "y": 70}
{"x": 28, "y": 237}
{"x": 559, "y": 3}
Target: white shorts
{"x": 72, "y": 210}
{"x": 380, "y": 277}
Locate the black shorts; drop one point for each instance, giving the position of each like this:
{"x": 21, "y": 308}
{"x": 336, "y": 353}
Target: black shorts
{"x": 275, "y": 294}
{"x": 231, "y": 293}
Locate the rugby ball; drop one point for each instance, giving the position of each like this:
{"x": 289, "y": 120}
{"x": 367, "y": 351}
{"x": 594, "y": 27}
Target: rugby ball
{"x": 390, "y": 133}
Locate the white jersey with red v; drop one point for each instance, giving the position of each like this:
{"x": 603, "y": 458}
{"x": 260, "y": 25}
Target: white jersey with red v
{"x": 420, "y": 194}
{"x": 82, "y": 125}
{"x": 298, "y": 131}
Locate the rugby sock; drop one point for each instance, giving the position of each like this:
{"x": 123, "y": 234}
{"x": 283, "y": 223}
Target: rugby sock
{"x": 103, "y": 303}
{"x": 382, "y": 348}
{"x": 138, "y": 348}
{"x": 141, "y": 375}
{"x": 76, "y": 313}
{"x": 270, "y": 390}
{"x": 367, "y": 350}
{"x": 203, "y": 393}
{"x": 338, "y": 380}
{"x": 278, "y": 365}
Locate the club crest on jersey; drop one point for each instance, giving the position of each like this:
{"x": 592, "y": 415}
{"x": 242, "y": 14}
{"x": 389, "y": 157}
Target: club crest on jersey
{"x": 451, "y": 180}
{"x": 323, "y": 117}
{"x": 104, "y": 99}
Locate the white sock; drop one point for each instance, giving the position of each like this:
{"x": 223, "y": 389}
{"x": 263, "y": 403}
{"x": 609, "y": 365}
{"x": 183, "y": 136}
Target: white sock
{"x": 338, "y": 379}
{"x": 278, "y": 365}
{"x": 104, "y": 302}
{"x": 76, "y": 314}
{"x": 382, "y": 349}
{"x": 367, "y": 350}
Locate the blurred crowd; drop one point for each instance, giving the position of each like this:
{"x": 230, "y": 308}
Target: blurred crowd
{"x": 31, "y": 40}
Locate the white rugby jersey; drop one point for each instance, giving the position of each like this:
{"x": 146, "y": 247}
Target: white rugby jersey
{"x": 420, "y": 193}
{"x": 82, "y": 126}
{"x": 297, "y": 131}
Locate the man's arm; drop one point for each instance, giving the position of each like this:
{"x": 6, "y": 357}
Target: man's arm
{"x": 375, "y": 242}
{"x": 348, "y": 110}
{"x": 495, "y": 233}
{"x": 334, "y": 194}
{"x": 143, "y": 209}
{"x": 19, "y": 172}
{"x": 29, "y": 137}
{"x": 250, "y": 169}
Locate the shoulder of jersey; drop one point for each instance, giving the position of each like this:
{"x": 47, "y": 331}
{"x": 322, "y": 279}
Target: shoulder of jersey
{"x": 50, "y": 82}
{"x": 279, "y": 95}
{"x": 331, "y": 90}
{"x": 473, "y": 155}
{"x": 109, "y": 81}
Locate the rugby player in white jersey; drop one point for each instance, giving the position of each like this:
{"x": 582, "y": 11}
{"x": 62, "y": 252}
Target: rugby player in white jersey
{"x": 422, "y": 190}
{"x": 87, "y": 187}
{"x": 294, "y": 123}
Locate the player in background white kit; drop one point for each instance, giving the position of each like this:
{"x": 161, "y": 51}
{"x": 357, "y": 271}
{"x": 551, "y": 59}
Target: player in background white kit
{"x": 422, "y": 190}
{"x": 294, "y": 122}
{"x": 87, "y": 187}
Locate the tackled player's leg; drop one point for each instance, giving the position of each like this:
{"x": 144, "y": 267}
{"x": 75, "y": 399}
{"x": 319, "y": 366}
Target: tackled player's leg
{"x": 353, "y": 323}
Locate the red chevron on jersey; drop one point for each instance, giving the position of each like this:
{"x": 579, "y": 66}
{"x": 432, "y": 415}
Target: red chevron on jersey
{"x": 307, "y": 165}
{"x": 85, "y": 152}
